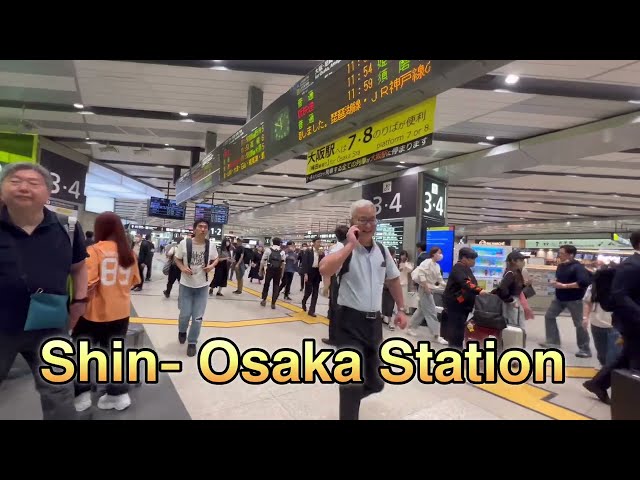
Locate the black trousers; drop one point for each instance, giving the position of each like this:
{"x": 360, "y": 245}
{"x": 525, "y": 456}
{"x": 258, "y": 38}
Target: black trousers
{"x": 141, "y": 270}
{"x": 312, "y": 289}
{"x": 285, "y": 284}
{"x": 174, "y": 274}
{"x": 453, "y": 325}
{"x": 629, "y": 359}
{"x": 100, "y": 334}
{"x": 56, "y": 399}
{"x": 354, "y": 330}
{"x": 272, "y": 276}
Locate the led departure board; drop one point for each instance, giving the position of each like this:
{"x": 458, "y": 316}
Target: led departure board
{"x": 203, "y": 210}
{"x": 220, "y": 214}
{"x": 322, "y": 106}
{"x": 390, "y": 234}
{"x": 165, "y": 208}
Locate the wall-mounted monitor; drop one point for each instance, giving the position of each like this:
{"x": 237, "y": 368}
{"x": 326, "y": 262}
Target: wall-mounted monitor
{"x": 165, "y": 208}
{"x": 442, "y": 237}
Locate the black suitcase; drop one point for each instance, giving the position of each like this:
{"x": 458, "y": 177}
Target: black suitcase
{"x": 625, "y": 395}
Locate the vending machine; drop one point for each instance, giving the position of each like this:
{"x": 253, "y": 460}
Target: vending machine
{"x": 490, "y": 264}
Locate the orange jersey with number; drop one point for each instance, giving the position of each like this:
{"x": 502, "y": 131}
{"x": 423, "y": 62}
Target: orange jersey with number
{"x": 110, "y": 298}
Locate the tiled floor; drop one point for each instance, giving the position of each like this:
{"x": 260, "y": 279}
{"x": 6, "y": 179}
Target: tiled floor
{"x": 188, "y": 395}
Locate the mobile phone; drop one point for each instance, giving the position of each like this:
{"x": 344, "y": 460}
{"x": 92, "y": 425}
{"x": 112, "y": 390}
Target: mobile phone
{"x": 357, "y": 234}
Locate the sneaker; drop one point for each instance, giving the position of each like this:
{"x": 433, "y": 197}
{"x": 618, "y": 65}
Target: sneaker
{"x": 441, "y": 340}
{"x": 182, "y": 337}
{"x": 191, "y": 350}
{"x": 602, "y": 394}
{"x": 166, "y": 294}
{"x": 118, "y": 402}
{"x": 83, "y": 402}
{"x": 411, "y": 332}
{"x": 583, "y": 354}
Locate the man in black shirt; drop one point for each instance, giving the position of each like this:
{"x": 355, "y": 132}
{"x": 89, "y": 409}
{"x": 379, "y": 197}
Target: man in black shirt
{"x": 37, "y": 257}
{"x": 625, "y": 291}
{"x": 572, "y": 281}
{"x": 460, "y": 297}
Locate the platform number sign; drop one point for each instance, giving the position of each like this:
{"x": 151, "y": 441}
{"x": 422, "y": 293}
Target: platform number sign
{"x": 434, "y": 202}
{"x": 68, "y": 177}
{"x": 393, "y": 198}
{"x": 216, "y": 232}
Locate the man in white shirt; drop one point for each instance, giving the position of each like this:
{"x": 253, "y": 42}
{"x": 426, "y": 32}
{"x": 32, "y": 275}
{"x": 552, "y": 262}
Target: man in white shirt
{"x": 196, "y": 258}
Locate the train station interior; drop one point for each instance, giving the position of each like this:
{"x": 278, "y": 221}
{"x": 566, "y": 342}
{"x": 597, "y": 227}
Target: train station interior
{"x": 530, "y": 157}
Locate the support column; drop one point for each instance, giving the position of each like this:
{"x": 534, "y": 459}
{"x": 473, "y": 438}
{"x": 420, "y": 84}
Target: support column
{"x": 210, "y": 142}
{"x": 254, "y": 103}
{"x": 195, "y": 157}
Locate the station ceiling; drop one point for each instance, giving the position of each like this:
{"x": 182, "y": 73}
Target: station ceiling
{"x": 563, "y": 142}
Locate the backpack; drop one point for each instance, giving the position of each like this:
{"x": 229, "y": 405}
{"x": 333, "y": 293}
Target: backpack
{"x": 601, "y": 288}
{"x": 206, "y": 255}
{"x": 275, "y": 259}
{"x": 487, "y": 312}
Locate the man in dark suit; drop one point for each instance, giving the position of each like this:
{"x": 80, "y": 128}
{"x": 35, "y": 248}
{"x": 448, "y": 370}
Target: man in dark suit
{"x": 310, "y": 266}
{"x": 625, "y": 292}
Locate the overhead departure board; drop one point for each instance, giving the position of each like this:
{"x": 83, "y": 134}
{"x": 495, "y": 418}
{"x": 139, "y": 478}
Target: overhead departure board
{"x": 165, "y": 208}
{"x": 390, "y": 234}
{"x": 220, "y": 214}
{"x": 333, "y": 93}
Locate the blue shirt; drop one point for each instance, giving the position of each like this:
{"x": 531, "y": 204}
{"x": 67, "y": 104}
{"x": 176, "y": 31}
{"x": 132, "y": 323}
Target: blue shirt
{"x": 30, "y": 262}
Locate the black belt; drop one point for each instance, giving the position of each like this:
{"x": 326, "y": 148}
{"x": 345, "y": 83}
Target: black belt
{"x": 367, "y": 315}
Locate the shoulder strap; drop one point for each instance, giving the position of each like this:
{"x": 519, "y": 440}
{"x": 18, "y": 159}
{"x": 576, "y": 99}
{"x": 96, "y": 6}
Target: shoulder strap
{"x": 189, "y": 251}
{"x": 207, "y": 244}
{"x": 383, "y": 250}
{"x": 68, "y": 224}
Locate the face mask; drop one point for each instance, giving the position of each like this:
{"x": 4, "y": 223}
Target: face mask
{"x": 439, "y": 257}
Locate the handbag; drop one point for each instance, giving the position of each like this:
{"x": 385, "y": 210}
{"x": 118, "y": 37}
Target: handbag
{"x": 529, "y": 291}
{"x": 46, "y": 310}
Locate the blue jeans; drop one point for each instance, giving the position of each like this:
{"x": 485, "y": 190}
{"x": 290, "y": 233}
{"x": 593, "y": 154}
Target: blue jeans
{"x": 605, "y": 341}
{"x": 551, "y": 324}
{"x": 192, "y": 304}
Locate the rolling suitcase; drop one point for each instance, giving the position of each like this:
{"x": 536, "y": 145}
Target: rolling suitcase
{"x": 625, "y": 395}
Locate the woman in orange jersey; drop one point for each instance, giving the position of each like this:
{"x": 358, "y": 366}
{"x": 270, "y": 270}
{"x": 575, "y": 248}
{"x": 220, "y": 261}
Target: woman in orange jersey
{"x": 113, "y": 271}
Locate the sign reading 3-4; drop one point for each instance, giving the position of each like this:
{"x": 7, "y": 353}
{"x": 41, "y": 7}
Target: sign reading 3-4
{"x": 434, "y": 202}
{"x": 393, "y": 198}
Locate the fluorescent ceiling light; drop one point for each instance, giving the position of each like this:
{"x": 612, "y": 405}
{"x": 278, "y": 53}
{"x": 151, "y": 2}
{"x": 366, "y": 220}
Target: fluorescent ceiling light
{"x": 637, "y": 102}
{"x": 187, "y": 120}
{"x": 502, "y": 90}
{"x": 511, "y": 79}
{"x": 78, "y": 105}
{"x": 490, "y": 137}
{"x": 84, "y": 112}
{"x": 184, "y": 114}
{"x": 218, "y": 67}
{"x": 484, "y": 143}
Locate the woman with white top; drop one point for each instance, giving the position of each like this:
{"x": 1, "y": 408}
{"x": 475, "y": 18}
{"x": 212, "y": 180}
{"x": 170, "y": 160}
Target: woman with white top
{"x": 605, "y": 336}
{"x": 429, "y": 276}
{"x": 406, "y": 267}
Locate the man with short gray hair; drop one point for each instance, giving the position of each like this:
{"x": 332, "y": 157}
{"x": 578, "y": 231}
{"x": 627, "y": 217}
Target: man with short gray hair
{"x": 363, "y": 266}
{"x": 36, "y": 259}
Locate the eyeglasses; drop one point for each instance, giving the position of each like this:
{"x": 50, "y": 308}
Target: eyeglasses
{"x": 367, "y": 221}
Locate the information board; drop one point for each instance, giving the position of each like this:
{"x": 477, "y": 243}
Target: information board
{"x": 403, "y": 132}
{"x": 165, "y": 208}
{"x": 390, "y": 234}
{"x": 334, "y": 92}
{"x": 394, "y": 198}
{"x": 203, "y": 211}
{"x": 68, "y": 176}
{"x": 220, "y": 214}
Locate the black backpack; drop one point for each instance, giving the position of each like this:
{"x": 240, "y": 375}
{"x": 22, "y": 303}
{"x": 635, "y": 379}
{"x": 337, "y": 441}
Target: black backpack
{"x": 275, "y": 259}
{"x": 601, "y": 288}
{"x": 487, "y": 312}
{"x": 190, "y": 253}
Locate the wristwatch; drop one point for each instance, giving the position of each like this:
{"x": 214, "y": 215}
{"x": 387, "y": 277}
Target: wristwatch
{"x": 80, "y": 300}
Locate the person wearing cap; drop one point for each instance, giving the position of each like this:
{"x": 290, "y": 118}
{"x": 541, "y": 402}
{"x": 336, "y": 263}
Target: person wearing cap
{"x": 460, "y": 297}
{"x": 511, "y": 287}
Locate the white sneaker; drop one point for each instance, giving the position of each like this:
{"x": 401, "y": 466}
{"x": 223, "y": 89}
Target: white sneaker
{"x": 441, "y": 340}
{"x": 82, "y": 402}
{"x": 412, "y": 332}
{"x": 119, "y": 402}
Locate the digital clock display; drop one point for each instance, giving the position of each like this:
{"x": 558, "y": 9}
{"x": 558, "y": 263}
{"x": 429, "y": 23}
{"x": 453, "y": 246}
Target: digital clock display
{"x": 331, "y": 93}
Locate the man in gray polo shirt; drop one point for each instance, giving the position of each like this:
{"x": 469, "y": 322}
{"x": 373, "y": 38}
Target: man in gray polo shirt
{"x": 362, "y": 269}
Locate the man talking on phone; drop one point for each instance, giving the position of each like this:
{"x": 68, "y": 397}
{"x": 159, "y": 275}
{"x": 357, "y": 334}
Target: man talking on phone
{"x": 363, "y": 266}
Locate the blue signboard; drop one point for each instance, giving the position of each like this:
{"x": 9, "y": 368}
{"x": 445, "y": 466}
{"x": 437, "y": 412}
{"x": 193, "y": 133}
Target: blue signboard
{"x": 444, "y": 238}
